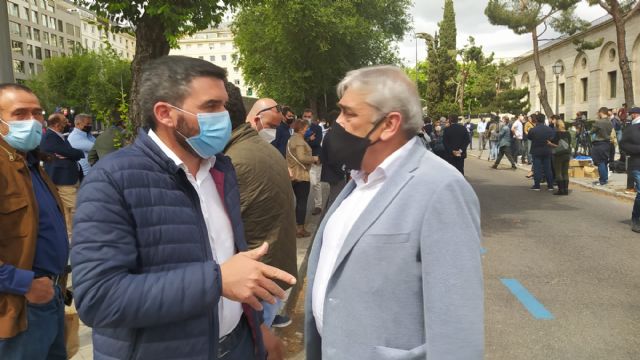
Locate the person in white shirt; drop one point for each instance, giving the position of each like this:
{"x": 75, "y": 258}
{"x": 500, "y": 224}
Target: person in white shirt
{"x": 392, "y": 274}
{"x": 482, "y": 128}
{"x": 82, "y": 139}
{"x": 517, "y": 129}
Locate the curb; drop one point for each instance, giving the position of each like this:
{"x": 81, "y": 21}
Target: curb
{"x": 607, "y": 191}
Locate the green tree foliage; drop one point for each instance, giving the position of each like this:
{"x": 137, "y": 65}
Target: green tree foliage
{"x": 472, "y": 57}
{"x": 443, "y": 68}
{"x": 157, "y": 25}
{"x": 296, "y": 51}
{"x": 512, "y": 101}
{"x": 526, "y": 16}
{"x": 621, "y": 12}
{"x": 85, "y": 81}
{"x": 421, "y": 76}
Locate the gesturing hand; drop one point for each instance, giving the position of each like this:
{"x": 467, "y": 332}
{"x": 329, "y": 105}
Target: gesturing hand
{"x": 245, "y": 279}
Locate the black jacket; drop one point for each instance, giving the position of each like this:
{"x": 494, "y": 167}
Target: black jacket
{"x": 456, "y": 137}
{"x": 539, "y": 136}
{"x": 332, "y": 172}
{"x": 630, "y": 144}
{"x": 315, "y": 143}
{"x": 62, "y": 171}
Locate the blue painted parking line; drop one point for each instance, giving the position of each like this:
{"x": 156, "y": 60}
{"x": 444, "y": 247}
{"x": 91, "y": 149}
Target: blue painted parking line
{"x": 483, "y": 251}
{"x": 528, "y": 301}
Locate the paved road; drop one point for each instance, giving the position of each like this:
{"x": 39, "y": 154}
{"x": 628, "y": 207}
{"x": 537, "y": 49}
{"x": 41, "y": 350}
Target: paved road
{"x": 574, "y": 254}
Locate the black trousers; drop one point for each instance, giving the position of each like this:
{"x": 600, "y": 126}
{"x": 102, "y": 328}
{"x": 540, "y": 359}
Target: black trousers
{"x": 457, "y": 162}
{"x": 301, "y": 190}
{"x": 505, "y": 151}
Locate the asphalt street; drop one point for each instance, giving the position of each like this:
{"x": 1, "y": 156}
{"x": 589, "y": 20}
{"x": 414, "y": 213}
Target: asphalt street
{"x": 562, "y": 273}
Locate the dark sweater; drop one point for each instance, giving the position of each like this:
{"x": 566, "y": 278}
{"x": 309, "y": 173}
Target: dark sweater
{"x": 630, "y": 144}
{"x": 539, "y": 136}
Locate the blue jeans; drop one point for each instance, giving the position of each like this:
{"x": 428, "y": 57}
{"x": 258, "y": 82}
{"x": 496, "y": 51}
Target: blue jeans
{"x": 493, "y": 150}
{"x": 44, "y": 337}
{"x": 269, "y": 311}
{"x": 603, "y": 170}
{"x": 635, "y": 214}
{"x": 542, "y": 164}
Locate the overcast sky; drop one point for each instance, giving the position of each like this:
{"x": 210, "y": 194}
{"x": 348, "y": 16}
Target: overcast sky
{"x": 471, "y": 20}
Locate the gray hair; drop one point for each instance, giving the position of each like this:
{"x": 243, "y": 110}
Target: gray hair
{"x": 80, "y": 117}
{"x": 387, "y": 89}
{"x": 168, "y": 79}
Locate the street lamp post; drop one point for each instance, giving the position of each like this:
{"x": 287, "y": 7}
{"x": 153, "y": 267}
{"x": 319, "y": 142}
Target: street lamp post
{"x": 557, "y": 70}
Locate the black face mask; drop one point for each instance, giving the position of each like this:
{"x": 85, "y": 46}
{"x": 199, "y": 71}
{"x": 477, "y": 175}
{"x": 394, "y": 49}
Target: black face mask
{"x": 348, "y": 149}
{"x": 87, "y": 128}
{"x": 289, "y": 121}
{"x": 66, "y": 129}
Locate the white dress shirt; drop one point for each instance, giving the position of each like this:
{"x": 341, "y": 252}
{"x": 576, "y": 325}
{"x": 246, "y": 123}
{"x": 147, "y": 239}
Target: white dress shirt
{"x": 518, "y": 129}
{"x": 218, "y": 227}
{"x": 482, "y": 127}
{"x": 341, "y": 221}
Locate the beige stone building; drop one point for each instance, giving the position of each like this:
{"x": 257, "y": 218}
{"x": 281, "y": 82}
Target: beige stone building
{"x": 215, "y": 45}
{"x": 40, "y": 29}
{"x": 589, "y": 79}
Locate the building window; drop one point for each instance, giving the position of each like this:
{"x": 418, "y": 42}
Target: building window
{"x": 45, "y": 37}
{"x": 36, "y": 34}
{"x": 60, "y": 26}
{"x": 25, "y": 14}
{"x": 39, "y": 67}
{"x": 212, "y": 58}
{"x": 77, "y": 30}
{"x": 561, "y": 93}
{"x": 14, "y": 9}
{"x": 38, "y": 53}
{"x": 237, "y": 82}
{"x": 52, "y": 23}
{"x": 54, "y": 53}
{"x": 44, "y": 20}
{"x": 17, "y": 47}
{"x": 69, "y": 29}
{"x": 235, "y": 69}
{"x": 70, "y": 44}
{"x": 47, "y": 53}
{"x": 188, "y": 46}
{"x": 43, "y": 4}
{"x": 18, "y": 66}
{"x": 201, "y": 57}
{"x": 612, "y": 83}
{"x": 234, "y": 57}
{"x": 211, "y": 46}
{"x": 32, "y": 69}
{"x": 585, "y": 88}
{"x": 84, "y": 25}
{"x": 62, "y": 43}
{"x": 249, "y": 92}
{"x": 30, "y": 50}
{"x": 54, "y": 40}
{"x": 35, "y": 17}
{"x": 94, "y": 45}
{"x": 200, "y": 45}
{"x": 224, "y": 57}
{"x": 14, "y": 28}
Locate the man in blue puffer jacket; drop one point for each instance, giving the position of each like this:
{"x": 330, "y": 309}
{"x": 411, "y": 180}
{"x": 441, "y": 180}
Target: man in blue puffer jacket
{"x": 160, "y": 267}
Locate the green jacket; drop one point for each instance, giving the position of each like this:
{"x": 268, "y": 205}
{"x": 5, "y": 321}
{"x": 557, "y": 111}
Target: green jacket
{"x": 266, "y": 198}
{"x": 104, "y": 144}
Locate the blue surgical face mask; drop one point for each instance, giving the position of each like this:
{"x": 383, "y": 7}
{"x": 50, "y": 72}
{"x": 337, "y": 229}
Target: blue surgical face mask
{"x": 24, "y": 135}
{"x": 215, "y": 132}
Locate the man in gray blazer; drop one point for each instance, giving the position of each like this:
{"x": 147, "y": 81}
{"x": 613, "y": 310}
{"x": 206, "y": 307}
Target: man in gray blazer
{"x": 394, "y": 272}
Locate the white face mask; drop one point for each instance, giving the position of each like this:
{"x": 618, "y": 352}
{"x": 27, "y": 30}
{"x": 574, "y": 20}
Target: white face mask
{"x": 268, "y": 135}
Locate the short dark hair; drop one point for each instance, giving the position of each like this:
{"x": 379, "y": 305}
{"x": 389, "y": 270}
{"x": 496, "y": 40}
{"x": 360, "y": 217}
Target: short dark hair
{"x": 55, "y": 119}
{"x": 14, "y": 86}
{"x": 307, "y": 110}
{"x": 167, "y": 79}
{"x": 286, "y": 110}
{"x": 453, "y": 119}
{"x": 603, "y": 110}
{"x": 235, "y": 106}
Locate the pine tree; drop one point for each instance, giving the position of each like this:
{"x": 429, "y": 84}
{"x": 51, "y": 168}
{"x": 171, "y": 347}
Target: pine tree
{"x": 447, "y": 27}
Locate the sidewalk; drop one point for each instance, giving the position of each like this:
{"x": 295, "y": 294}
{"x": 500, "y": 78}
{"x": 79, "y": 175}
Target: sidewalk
{"x": 616, "y": 186}
{"x": 303, "y": 245}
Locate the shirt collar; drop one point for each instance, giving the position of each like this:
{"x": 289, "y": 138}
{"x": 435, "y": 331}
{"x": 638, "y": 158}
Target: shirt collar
{"x": 171, "y": 155}
{"x": 636, "y": 121}
{"x": 59, "y": 134}
{"x": 387, "y": 167}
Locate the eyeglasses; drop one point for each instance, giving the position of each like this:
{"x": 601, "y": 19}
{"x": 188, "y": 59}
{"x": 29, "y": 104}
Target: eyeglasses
{"x": 277, "y": 107}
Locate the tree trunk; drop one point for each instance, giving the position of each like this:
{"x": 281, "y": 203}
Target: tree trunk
{"x": 313, "y": 104}
{"x": 463, "y": 83}
{"x": 151, "y": 43}
{"x": 544, "y": 101}
{"x": 623, "y": 60}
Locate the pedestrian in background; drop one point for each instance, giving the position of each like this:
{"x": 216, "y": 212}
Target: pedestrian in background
{"x": 63, "y": 168}
{"x": 82, "y": 139}
{"x": 540, "y": 136}
{"x": 630, "y": 143}
{"x": 601, "y": 149}
{"x": 561, "y": 149}
{"x": 299, "y": 161}
{"x": 482, "y": 128}
{"x": 456, "y": 138}
{"x": 504, "y": 143}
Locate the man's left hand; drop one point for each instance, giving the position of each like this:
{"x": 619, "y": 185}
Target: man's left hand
{"x": 272, "y": 343}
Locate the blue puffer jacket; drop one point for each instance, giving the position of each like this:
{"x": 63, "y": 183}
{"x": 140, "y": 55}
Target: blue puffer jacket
{"x": 143, "y": 272}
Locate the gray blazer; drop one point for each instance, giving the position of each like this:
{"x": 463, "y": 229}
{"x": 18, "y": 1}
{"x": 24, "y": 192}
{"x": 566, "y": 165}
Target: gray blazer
{"x": 408, "y": 280}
